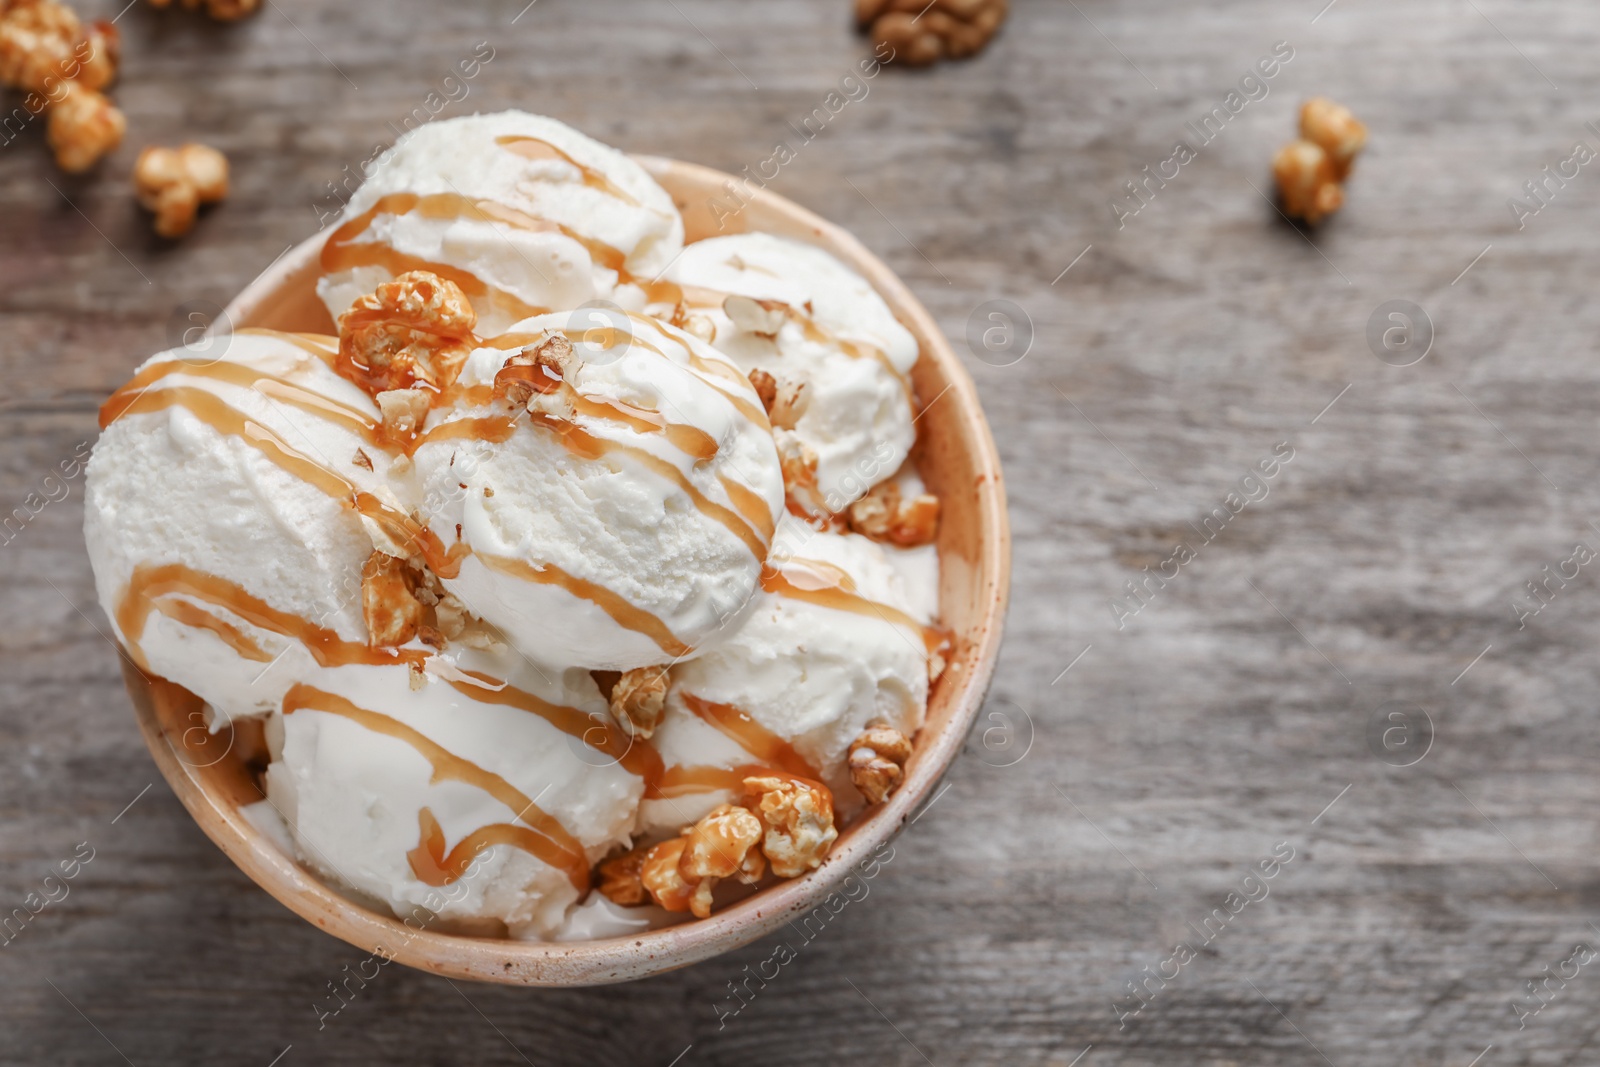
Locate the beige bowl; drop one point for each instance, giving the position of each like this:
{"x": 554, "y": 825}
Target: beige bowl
{"x": 214, "y": 776}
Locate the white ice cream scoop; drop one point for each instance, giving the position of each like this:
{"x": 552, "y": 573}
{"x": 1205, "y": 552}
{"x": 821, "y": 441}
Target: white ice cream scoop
{"x": 826, "y": 337}
{"x": 523, "y": 212}
{"x": 477, "y": 797}
{"x": 833, "y": 642}
{"x": 621, "y": 516}
{"x": 228, "y": 512}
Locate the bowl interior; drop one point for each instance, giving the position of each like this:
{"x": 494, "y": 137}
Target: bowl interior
{"x": 215, "y": 776}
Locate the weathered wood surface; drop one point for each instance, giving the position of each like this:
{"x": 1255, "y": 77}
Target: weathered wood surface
{"x": 1177, "y": 752}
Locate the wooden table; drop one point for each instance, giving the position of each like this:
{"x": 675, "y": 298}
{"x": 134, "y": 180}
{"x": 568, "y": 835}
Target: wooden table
{"x": 1141, "y": 764}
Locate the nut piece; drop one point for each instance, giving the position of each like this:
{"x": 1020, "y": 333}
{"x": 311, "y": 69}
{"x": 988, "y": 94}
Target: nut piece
{"x": 638, "y": 699}
{"x": 884, "y": 515}
{"x": 415, "y": 330}
{"x": 1306, "y": 182}
{"x": 918, "y": 33}
{"x": 389, "y": 601}
{"x": 878, "y": 760}
{"x": 174, "y": 182}
{"x": 761, "y": 317}
{"x": 619, "y": 878}
{"x": 659, "y": 875}
{"x": 536, "y": 370}
{"x": 798, "y": 816}
{"x": 404, "y": 409}
{"x": 1335, "y": 130}
{"x": 83, "y": 127}
{"x": 721, "y": 845}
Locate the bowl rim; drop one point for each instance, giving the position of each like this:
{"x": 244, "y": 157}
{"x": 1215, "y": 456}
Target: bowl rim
{"x": 615, "y": 959}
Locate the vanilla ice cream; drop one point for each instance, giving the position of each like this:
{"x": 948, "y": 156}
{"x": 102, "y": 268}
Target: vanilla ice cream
{"x": 513, "y": 569}
{"x": 808, "y": 320}
{"x": 526, "y": 214}
{"x": 833, "y": 643}
{"x": 483, "y": 789}
{"x": 621, "y": 520}
{"x": 222, "y": 521}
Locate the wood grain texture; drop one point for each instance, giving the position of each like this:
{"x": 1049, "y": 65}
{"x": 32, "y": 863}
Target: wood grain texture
{"x": 1177, "y": 352}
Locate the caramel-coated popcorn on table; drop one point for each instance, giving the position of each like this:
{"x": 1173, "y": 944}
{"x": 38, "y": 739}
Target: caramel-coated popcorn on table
{"x": 921, "y": 33}
{"x": 61, "y": 64}
{"x": 1310, "y": 172}
{"x": 174, "y": 182}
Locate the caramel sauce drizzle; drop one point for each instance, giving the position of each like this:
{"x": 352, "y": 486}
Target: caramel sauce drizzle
{"x": 148, "y": 584}
{"x": 536, "y": 149}
{"x": 543, "y": 837}
{"x": 185, "y": 613}
{"x": 766, "y": 746}
{"x": 228, "y": 421}
{"x": 434, "y": 866}
{"x": 343, "y": 252}
{"x": 353, "y": 419}
{"x": 818, "y": 583}
{"x": 635, "y": 757}
{"x": 685, "y": 781}
{"x": 585, "y": 445}
{"x": 621, "y": 610}
{"x": 751, "y": 506}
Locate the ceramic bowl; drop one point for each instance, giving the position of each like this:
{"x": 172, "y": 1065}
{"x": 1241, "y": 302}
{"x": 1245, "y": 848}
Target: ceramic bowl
{"x": 215, "y": 776}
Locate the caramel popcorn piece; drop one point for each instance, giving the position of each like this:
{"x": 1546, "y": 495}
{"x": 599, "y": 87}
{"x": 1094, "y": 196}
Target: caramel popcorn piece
{"x": 638, "y": 699}
{"x": 798, "y": 820}
{"x": 221, "y": 10}
{"x": 920, "y": 32}
{"x": 721, "y": 845}
{"x": 883, "y": 514}
{"x": 1306, "y": 185}
{"x": 878, "y": 761}
{"x": 174, "y": 182}
{"x": 784, "y": 400}
{"x": 100, "y": 50}
{"x": 1335, "y": 130}
{"x": 83, "y": 127}
{"x": 37, "y": 38}
{"x": 47, "y": 52}
{"x": 389, "y": 602}
{"x": 534, "y": 371}
{"x": 799, "y": 462}
{"x": 659, "y": 875}
{"x": 766, "y": 387}
{"x": 415, "y": 330}
{"x": 620, "y": 880}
